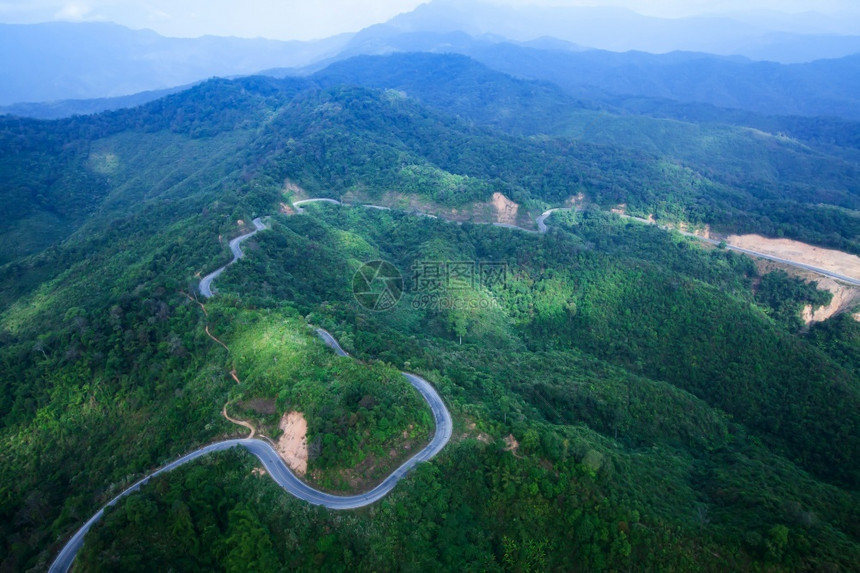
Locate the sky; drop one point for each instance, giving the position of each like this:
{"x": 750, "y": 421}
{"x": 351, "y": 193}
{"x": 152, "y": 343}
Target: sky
{"x": 307, "y": 20}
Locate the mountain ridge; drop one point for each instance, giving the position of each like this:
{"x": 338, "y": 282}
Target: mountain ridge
{"x": 61, "y": 60}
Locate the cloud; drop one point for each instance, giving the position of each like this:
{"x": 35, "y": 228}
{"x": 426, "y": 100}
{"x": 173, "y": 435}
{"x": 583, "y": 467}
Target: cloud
{"x": 75, "y": 11}
{"x": 301, "y": 19}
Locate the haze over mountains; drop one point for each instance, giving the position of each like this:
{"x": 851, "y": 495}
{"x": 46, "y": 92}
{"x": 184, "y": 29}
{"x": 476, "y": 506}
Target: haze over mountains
{"x": 62, "y": 61}
{"x": 757, "y": 36}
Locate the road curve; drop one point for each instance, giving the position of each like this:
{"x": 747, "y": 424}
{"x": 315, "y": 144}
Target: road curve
{"x": 297, "y": 204}
{"x": 331, "y": 341}
{"x": 542, "y": 228}
{"x": 820, "y": 271}
{"x": 541, "y": 221}
{"x": 282, "y": 475}
{"x": 206, "y": 282}
{"x": 274, "y": 465}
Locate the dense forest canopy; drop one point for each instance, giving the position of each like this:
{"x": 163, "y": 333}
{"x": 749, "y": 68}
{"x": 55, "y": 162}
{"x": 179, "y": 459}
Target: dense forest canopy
{"x": 625, "y": 398}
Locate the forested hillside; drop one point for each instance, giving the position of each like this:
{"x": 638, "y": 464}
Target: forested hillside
{"x": 579, "y": 363}
{"x": 623, "y": 399}
{"x": 780, "y": 176}
{"x": 826, "y": 87}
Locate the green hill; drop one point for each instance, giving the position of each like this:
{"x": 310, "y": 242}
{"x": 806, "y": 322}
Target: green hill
{"x": 622, "y": 399}
{"x": 779, "y": 176}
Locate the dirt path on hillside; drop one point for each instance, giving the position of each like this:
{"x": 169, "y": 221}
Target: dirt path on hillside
{"x": 238, "y": 422}
{"x": 215, "y": 339}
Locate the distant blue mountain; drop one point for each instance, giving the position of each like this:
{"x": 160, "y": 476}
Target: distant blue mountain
{"x": 785, "y": 38}
{"x": 63, "y": 66}
{"x": 61, "y": 61}
{"x": 821, "y": 88}
{"x": 69, "y": 107}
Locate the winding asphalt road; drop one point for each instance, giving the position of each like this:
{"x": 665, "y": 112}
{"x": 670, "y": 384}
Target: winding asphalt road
{"x": 206, "y": 282}
{"x": 542, "y": 228}
{"x": 297, "y": 204}
{"x": 541, "y": 222}
{"x": 820, "y": 271}
{"x": 274, "y": 465}
{"x": 331, "y": 341}
{"x": 804, "y": 266}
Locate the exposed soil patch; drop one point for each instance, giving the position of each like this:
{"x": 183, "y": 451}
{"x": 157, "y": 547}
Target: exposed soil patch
{"x": 293, "y": 189}
{"x": 845, "y": 297}
{"x": 703, "y": 232}
{"x": 292, "y": 445}
{"x": 834, "y": 261}
{"x": 506, "y": 210}
{"x": 472, "y": 431}
{"x": 575, "y": 200}
{"x": 511, "y": 444}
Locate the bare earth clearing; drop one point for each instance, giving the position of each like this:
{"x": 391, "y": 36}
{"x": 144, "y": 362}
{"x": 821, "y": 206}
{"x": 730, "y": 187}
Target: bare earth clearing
{"x": 506, "y": 210}
{"x": 292, "y": 446}
{"x": 845, "y": 297}
{"x": 827, "y": 259}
